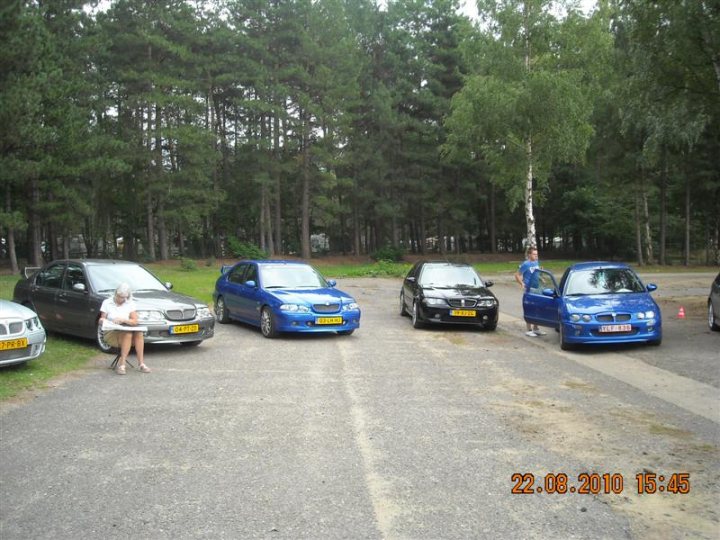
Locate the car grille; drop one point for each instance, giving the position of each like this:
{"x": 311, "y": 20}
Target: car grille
{"x": 462, "y": 302}
{"x": 185, "y": 314}
{"x": 326, "y": 308}
{"x": 613, "y": 317}
{"x": 8, "y": 328}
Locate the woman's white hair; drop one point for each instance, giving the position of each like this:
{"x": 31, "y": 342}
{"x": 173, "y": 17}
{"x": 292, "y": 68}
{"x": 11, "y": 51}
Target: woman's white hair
{"x": 123, "y": 290}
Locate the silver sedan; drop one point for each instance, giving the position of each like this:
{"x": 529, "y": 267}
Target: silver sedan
{"x": 22, "y": 336}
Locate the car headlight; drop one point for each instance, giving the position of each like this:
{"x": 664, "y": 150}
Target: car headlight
{"x": 32, "y": 324}
{"x": 577, "y": 317}
{"x": 352, "y": 306}
{"x": 294, "y": 308}
{"x": 147, "y": 316}
{"x": 204, "y": 312}
{"x": 434, "y": 301}
{"x": 574, "y": 317}
{"x": 646, "y": 315}
{"x": 486, "y": 302}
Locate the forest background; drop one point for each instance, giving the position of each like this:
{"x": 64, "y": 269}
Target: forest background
{"x": 154, "y": 129}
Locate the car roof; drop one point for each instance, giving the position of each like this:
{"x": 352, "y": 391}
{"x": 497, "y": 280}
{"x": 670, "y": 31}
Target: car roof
{"x": 594, "y": 265}
{"x": 273, "y": 261}
{"x": 444, "y": 263}
{"x": 93, "y": 261}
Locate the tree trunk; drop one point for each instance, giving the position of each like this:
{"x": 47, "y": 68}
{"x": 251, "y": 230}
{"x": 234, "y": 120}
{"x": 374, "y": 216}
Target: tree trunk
{"x": 36, "y": 256}
{"x": 663, "y": 208}
{"x": 646, "y": 220}
{"x": 638, "y": 231}
{"x": 687, "y": 221}
{"x": 305, "y": 201}
{"x": 529, "y": 216}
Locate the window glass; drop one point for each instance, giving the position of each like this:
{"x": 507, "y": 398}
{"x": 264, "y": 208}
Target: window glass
{"x": 236, "y": 274}
{"x": 50, "y": 276}
{"x": 252, "y": 274}
{"x": 73, "y": 276}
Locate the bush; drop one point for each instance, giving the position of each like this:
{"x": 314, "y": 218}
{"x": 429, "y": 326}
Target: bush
{"x": 245, "y": 250}
{"x": 189, "y": 265}
{"x": 388, "y": 253}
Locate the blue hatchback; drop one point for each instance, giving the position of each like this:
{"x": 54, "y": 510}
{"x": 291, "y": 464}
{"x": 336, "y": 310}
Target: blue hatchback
{"x": 283, "y": 296}
{"x": 595, "y": 303}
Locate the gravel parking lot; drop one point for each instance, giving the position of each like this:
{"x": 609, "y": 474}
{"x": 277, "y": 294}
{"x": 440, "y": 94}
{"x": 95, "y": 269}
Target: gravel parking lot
{"x": 389, "y": 433}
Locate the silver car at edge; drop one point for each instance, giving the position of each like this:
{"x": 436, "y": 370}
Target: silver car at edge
{"x": 22, "y": 336}
{"x": 67, "y": 295}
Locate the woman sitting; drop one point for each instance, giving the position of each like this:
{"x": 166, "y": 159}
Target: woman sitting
{"x": 120, "y": 309}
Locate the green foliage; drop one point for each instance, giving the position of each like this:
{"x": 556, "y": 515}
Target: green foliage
{"x": 188, "y": 265}
{"x": 388, "y": 254}
{"x": 245, "y": 250}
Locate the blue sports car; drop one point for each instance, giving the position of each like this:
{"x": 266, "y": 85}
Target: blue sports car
{"x": 283, "y": 296}
{"x": 595, "y": 303}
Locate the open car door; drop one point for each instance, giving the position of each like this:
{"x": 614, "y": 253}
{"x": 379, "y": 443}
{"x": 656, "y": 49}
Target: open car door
{"x": 541, "y": 300}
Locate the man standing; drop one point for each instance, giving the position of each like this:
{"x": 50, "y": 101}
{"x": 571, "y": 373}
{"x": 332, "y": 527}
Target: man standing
{"x": 524, "y": 276}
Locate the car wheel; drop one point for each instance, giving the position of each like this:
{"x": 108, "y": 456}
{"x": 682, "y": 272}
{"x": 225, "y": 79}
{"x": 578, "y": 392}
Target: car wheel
{"x": 402, "y": 304}
{"x": 191, "y": 343}
{"x": 267, "y": 323}
{"x": 345, "y": 332}
{"x": 490, "y": 326}
{"x": 564, "y": 345}
{"x": 416, "y": 322}
{"x": 221, "y": 311}
{"x": 100, "y": 340}
{"x": 712, "y": 321}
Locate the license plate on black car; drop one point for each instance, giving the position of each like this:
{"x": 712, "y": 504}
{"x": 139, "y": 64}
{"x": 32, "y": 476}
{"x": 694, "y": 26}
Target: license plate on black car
{"x": 462, "y": 312}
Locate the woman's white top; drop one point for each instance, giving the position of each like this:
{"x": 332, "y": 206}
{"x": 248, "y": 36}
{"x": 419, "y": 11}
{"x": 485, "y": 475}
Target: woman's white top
{"x": 114, "y": 311}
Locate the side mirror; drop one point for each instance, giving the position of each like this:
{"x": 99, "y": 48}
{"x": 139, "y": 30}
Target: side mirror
{"x": 489, "y": 283}
{"x": 549, "y": 292}
{"x": 331, "y": 282}
{"x": 168, "y": 285}
{"x": 411, "y": 279}
{"x": 79, "y": 287}
{"x": 651, "y": 287}
{"x": 250, "y": 284}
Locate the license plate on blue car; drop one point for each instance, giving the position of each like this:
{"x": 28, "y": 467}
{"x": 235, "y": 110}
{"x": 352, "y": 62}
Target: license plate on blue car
{"x": 329, "y": 320}
{"x": 610, "y": 328}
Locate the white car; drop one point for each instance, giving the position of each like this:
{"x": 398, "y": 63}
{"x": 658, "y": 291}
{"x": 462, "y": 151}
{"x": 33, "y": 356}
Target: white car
{"x": 22, "y": 336}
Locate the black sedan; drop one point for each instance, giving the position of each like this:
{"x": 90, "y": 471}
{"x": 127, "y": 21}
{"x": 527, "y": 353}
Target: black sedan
{"x": 714, "y": 305}
{"x": 448, "y": 293}
{"x": 67, "y": 295}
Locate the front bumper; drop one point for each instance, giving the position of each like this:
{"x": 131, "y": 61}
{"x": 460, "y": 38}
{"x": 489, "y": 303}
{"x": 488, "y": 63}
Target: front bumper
{"x": 311, "y": 322}
{"x": 590, "y": 333}
{"x": 165, "y": 332}
{"x": 35, "y": 347}
{"x": 442, "y": 315}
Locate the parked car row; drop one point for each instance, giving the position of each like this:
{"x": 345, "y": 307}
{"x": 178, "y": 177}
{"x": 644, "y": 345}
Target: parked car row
{"x": 593, "y": 303}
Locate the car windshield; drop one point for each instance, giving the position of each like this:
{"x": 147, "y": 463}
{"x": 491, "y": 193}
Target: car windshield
{"x": 107, "y": 277}
{"x": 449, "y": 277}
{"x": 603, "y": 281}
{"x": 293, "y": 276}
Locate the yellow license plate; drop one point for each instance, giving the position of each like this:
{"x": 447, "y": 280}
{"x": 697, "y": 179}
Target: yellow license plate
{"x": 462, "y": 312}
{"x": 185, "y": 329}
{"x": 329, "y": 320}
{"x": 20, "y": 343}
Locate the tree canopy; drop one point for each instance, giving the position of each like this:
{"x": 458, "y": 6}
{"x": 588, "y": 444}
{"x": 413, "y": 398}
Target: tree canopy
{"x": 155, "y": 129}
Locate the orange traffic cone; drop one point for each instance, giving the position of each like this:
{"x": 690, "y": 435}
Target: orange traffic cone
{"x": 681, "y": 313}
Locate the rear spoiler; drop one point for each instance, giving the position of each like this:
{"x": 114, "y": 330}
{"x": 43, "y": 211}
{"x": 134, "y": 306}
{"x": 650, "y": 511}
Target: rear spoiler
{"x": 29, "y": 271}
